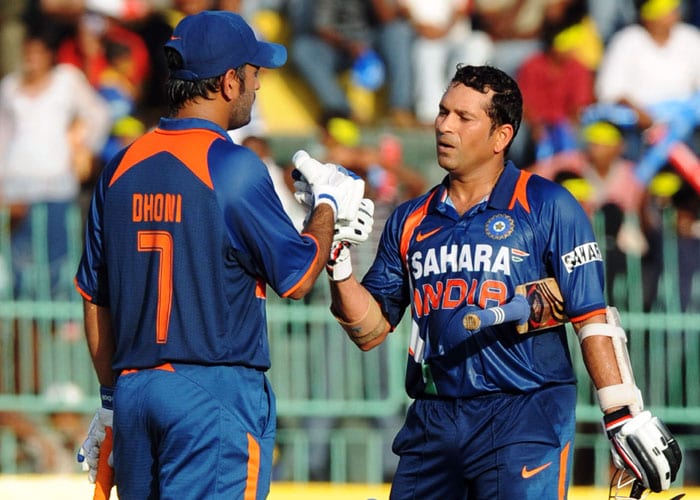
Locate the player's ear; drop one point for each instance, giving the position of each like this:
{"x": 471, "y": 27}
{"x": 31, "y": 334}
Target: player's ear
{"x": 502, "y": 137}
{"x": 230, "y": 84}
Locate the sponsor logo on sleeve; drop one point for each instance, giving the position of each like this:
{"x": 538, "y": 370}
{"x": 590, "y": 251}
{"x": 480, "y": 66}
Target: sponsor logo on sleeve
{"x": 582, "y": 254}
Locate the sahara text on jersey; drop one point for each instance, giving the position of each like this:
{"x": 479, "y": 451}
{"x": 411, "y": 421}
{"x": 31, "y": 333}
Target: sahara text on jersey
{"x": 464, "y": 258}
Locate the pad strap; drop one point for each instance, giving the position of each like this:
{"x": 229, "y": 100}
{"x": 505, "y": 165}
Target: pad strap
{"x": 618, "y": 395}
{"x": 604, "y": 329}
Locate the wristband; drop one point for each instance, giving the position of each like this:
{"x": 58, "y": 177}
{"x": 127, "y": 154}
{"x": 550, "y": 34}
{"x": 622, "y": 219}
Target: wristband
{"x": 107, "y": 397}
{"x": 328, "y": 200}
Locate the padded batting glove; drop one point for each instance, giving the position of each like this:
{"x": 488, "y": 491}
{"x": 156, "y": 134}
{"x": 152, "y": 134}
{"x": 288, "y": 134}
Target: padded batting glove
{"x": 89, "y": 452}
{"x": 336, "y": 186}
{"x": 346, "y": 234}
{"x": 357, "y": 230}
{"x": 644, "y": 446}
{"x": 339, "y": 265}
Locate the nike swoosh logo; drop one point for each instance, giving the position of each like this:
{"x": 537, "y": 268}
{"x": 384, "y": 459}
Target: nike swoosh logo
{"x": 421, "y": 236}
{"x": 528, "y": 473}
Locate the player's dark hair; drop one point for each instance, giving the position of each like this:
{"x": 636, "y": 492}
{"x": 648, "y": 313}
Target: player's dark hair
{"x": 179, "y": 92}
{"x": 507, "y": 101}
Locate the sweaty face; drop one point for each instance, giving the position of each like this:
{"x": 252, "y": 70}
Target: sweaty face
{"x": 463, "y": 129}
{"x": 241, "y": 112}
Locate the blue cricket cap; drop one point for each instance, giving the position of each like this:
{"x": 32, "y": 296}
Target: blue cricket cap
{"x": 212, "y": 42}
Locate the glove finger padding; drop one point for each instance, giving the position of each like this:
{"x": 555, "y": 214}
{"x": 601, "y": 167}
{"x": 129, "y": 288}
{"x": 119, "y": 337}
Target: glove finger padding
{"x": 358, "y": 230}
{"x": 328, "y": 183}
{"x": 303, "y": 194}
{"x": 339, "y": 266}
{"x": 646, "y": 447}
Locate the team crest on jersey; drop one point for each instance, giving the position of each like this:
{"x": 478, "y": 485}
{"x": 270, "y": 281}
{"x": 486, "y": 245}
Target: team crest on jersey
{"x": 499, "y": 226}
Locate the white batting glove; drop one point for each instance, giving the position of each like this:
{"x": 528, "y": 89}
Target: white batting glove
{"x": 346, "y": 234}
{"x": 644, "y": 446}
{"x": 331, "y": 184}
{"x": 89, "y": 452}
{"x": 339, "y": 266}
{"x": 356, "y": 231}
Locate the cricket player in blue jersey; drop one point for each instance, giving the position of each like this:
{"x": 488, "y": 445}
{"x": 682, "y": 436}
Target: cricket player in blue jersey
{"x": 184, "y": 235}
{"x": 493, "y": 415}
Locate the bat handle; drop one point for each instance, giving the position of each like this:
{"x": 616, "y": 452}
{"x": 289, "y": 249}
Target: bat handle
{"x": 105, "y": 473}
{"x": 517, "y": 309}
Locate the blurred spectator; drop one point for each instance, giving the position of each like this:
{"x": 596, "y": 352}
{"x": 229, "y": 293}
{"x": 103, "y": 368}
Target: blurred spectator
{"x": 665, "y": 66}
{"x": 11, "y": 30}
{"x": 96, "y": 35}
{"x": 394, "y": 41}
{"x": 389, "y": 180}
{"x": 343, "y": 34}
{"x": 686, "y": 201}
{"x": 556, "y": 87}
{"x": 155, "y": 29}
{"x": 663, "y": 73}
{"x": 281, "y": 179}
{"x": 126, "y": 129}
{"x": 444, "y": 38}
{"x": 52, "y": 122}
{"x": 611, "y": 16}
{"x": 514, "y": 26}
{"x": 605, "y": 184}
{"x": 693, "y": 12}
{"x": 125, "y": 10}
{"x": 577, "y": 32}
{"x": 123, "y": 97}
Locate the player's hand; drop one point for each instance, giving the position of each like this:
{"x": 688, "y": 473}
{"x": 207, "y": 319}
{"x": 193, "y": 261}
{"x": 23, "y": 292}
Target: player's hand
{"x": 89, "y": 453}
{"x": 331, "y": 184}
{"x": 644, "y": 446}
{"x": 356, "y": 231}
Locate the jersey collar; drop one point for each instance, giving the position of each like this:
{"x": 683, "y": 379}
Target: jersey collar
{"x": 504, "y": 189}
{"x": 192, "y": 123}
{"x": 500, "y": 196}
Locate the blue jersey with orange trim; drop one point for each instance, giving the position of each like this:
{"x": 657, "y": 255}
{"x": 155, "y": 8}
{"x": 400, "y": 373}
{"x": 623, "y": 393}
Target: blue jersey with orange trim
{"x": 440, "y": 263}
{"x": 183, "y": 234}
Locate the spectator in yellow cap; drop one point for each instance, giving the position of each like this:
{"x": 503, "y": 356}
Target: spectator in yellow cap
{"x": 650, "y": 66}
{"x": 605, "y": 184}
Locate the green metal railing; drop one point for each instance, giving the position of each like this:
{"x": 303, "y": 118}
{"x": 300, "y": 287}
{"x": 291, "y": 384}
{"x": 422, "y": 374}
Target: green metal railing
{"x": 338, "y": 407}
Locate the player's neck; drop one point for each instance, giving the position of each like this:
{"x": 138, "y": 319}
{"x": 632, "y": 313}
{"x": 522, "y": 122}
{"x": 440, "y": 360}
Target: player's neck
{"x": 470, "y": 190}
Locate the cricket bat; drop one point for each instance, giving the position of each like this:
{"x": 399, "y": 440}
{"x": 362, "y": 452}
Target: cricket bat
{"x": 536, "y": 305}
{"x": 105, "y": 473}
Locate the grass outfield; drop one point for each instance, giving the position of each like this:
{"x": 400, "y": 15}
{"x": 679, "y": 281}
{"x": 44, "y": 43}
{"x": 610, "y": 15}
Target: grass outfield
{"x": 76, "y": 487}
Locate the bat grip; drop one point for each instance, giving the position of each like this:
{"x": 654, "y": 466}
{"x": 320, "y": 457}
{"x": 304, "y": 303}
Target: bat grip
{"x": 517, "y": 309}
{"x": 105, "y": 473}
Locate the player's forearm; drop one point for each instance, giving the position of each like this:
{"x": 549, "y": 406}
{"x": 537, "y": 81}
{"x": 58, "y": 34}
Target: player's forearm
{"x": 100, "y": 340}
{"x": 349, "y": 299}
{"x": 320, "y": 227}
{"x": 600, "y": 360}
{"x": 358, "y": 313}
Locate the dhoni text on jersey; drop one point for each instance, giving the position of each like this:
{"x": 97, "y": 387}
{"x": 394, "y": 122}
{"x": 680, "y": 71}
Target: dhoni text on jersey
{"x": 156, "y": 207}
